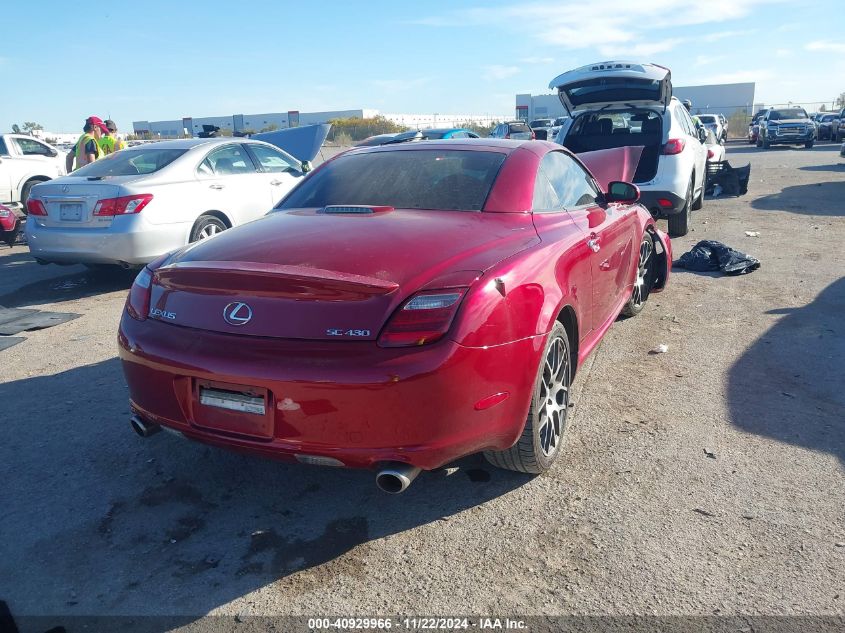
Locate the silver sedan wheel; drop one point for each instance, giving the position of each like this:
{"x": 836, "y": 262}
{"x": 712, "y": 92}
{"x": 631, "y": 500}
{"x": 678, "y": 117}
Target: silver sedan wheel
{"x": 554, "y": 397}
{"x": 209, "y": 230}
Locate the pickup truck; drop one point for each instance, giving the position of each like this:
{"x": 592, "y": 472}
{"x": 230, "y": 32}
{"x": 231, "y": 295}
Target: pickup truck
{"x": 25, "y": 161}
{"x": 837, "y": 127}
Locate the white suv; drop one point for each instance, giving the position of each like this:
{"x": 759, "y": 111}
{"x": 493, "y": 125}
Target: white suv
{"x": 621, "y": 104}
{"x": 24, "y": 162}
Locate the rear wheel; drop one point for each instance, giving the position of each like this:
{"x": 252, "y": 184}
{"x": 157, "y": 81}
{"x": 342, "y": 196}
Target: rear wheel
{"x": 207, "y": 226}
{"x": 699, "y": 200}
{"x": 644, "y": 278}
{"x": 808, "y": 144}
{"x": 679, "y": 222}
{"x": 539, "y": 445}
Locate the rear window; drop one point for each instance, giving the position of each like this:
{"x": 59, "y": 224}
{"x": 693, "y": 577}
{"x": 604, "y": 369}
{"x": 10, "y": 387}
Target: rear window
{"x": 541, "y": 123}
{"x": 777, "y": 115}
{"x": 519, "y": 127}
{"x": 707, "y": 118}
{"x": 132, "y": 162}
{"x": 613, "y": 89}
{"x": 406, "y": 179}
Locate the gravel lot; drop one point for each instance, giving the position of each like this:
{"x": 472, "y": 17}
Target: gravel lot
{"x": 707, "y": 480}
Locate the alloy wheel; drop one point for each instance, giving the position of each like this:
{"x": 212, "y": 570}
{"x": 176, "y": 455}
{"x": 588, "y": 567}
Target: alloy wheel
{"x": 639, "y": 295}
{"x": 554, "y": 397}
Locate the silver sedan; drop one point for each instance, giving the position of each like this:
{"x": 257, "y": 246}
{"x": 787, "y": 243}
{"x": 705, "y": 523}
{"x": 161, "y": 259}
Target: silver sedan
{"x": 145, "y": 201}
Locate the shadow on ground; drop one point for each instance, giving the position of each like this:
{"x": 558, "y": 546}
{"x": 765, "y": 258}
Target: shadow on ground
{"x": 813, "y": 199}
{"x": 62, "y": 287}
{"x": 789, "y": 384}
{"x": 104, "y": 522}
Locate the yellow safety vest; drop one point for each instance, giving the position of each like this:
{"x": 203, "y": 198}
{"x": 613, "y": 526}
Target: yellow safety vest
{"x": 80, "y": 149}
{"x": 110, "y": 144}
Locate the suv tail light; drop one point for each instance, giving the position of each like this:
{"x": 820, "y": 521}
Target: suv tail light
{"x": 508, "y": 135}
{"x": 533, "y": 135}
{"x": 424, "y": 318}
{"x": 674, "y": 146}
{"x": 124, "y": 205}
{"x": 35, "y": 207}
{"x": 138, "y": 301}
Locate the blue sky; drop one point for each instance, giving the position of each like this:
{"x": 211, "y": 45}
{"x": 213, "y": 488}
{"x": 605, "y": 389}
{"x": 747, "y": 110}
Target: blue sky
{"x": 163, "y": 60}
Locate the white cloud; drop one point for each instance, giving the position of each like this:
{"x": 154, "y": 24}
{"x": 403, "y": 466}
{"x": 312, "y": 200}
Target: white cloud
{"x": 740, "y": 76}
{"x": 706, "y": 60}
{"x": 638, "y": 51}
{"x": 721, "y": 35}
{"x": 611, "y": 26}
{"x": 827, "y": 47}
{"x": 537, "y": 60}
{"x": 497, "y": 72}
{"x": 783, "y": 52}
{"x": 399, "y": 85}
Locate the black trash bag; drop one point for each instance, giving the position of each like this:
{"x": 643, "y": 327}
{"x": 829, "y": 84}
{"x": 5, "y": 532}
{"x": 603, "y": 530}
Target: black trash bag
{"x": 710, "y": 255}
{"x": 732, "y": 180}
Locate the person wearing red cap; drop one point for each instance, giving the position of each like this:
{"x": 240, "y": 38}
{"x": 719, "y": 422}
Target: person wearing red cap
{"x": 87, "y": 148}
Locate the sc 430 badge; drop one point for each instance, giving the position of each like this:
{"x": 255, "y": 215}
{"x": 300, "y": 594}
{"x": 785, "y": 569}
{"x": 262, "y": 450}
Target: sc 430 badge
{"x": 342, "y": 332}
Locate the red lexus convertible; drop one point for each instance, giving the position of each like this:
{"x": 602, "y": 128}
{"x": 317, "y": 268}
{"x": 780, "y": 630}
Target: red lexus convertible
{"x": 405, "y": 305}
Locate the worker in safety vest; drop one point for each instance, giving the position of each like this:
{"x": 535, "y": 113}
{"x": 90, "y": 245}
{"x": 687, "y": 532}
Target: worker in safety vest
{"x": 698, "y": 124}
{"x": 109, "y": 142}
{"x": 87, "y": 148}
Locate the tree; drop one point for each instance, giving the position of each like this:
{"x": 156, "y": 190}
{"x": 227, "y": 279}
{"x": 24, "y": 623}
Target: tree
{"x": 269, "y": 128}
{"x": 16, "y": 128}
{"x": 31, "y": 126}
{"x": 840, "y": 100}
{"x": 822, "y": 108}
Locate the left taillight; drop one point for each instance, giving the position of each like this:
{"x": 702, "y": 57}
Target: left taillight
{"x": 424, "y": 318}
{"x": 674, "y": 146}
{"x": 138, "y": 301}
{"x": 125, "y": 205}
{"x": 35, "y": 207}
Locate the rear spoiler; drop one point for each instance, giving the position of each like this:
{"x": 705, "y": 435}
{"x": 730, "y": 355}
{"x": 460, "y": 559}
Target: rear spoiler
{"x": 276, "y": 279}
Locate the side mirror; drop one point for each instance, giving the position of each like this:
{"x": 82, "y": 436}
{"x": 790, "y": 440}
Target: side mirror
{"x": 618, "y": 191}
{"x": 53, "y": 153}
{"x": 306, "y": 166}
{"x": 702, "y": 134}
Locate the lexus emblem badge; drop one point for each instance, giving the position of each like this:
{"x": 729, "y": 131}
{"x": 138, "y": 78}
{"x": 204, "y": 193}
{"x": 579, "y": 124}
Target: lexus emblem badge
{"x": 237, "y": 313}
{"x": 65, "y": 188}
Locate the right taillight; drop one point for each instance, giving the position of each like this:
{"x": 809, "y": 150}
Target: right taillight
{"x": 35, "y": 207}
{"x": 674, "y": 146}
{"x": 424, "y": 318}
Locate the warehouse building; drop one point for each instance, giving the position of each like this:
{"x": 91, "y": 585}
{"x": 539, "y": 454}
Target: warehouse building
{"x": 727, "y": 99}
{"x": 294, "y": 118}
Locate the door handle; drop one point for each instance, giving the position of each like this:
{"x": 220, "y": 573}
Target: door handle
{"x": 593, "y": 243}
{"x": 275, "y": 183}
{"x": 216, "y": 186}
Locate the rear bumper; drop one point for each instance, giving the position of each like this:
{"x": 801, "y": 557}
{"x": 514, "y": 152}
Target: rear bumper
{"x": 352, "y": 401}
{"x": 129, "y": 240}
{"x": 649, "y": 199}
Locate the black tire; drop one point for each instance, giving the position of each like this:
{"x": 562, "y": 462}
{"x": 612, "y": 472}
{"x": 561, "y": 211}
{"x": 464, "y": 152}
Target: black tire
{"x": 27, "y": 187}
{"x": 759, "y": 141}
{"x": 679, "y": 222}
{"x": 699, "y": 201}
{"x": 809, "y": 144}
{"x": 542, "y": 437}
{"x": 644, "y": 279}
{"x": 206, "y": 226}
{"x": 766, "y": 144}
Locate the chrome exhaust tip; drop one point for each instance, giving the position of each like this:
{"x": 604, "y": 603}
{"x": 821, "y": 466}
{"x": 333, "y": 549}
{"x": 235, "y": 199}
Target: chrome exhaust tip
{"x": 142, "y": 427}
{"x": 395, "y": 478}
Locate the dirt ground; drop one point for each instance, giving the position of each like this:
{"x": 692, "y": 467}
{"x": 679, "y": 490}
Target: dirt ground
{"x": 704, "y": 481}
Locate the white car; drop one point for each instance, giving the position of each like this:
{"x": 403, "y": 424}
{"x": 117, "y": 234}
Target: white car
{"x": 137, "y": 204}
{"x": 621, "y": 104}
{"x": 713, "y": 123}
{"x": 24, "y": 162}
